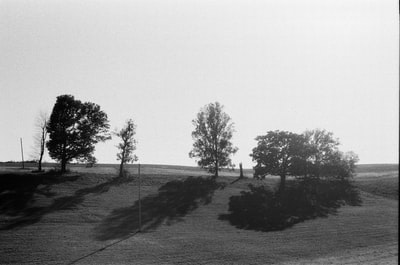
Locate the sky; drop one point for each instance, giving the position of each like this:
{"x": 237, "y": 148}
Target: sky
{"x": 274, "y": 65}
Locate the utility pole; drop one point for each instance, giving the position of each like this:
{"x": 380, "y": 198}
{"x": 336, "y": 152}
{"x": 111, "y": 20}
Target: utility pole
{"x": 140, "y": 203}
{"x": 22, "y": 153}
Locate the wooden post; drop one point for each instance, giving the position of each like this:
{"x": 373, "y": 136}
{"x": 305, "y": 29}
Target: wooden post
{"x": 140, "y": 203}
{"x": 22, "y": 153}
{"x": 241, "y": 170}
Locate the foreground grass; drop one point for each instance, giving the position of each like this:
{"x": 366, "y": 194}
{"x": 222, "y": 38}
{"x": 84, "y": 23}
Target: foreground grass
{"x": 91, "y": 218}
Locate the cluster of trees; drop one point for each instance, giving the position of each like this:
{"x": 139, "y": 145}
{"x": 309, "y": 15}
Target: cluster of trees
{"x": 74, "y": 127}
{"x": 313, "y": 154}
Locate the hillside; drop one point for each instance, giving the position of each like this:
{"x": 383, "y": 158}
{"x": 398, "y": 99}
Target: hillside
{"x": 89, "y": 217}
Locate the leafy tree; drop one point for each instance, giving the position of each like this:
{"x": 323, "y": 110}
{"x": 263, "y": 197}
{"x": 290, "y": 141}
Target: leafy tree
{"x": 279, "y": 153}
{"x": 91, "y": 161}
{"x": 325, "y": 159}
{"x": 127, "y": 145}
{"x": 313, "y": 154}
{"x": 323, "y": 150}
{"x": 74, "y": 128}
{"x": 340, "y": 166}
{"x": 349, "y": 161}
{"x": 212, "y": 138}
{"x": 40, "y": 138}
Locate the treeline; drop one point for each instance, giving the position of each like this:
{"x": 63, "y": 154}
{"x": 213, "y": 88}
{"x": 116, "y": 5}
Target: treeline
{"x": 73, "y": 129}
{"x": 313, "y": 154}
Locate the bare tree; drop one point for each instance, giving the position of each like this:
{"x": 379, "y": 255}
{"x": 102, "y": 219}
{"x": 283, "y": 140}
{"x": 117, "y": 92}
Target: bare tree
{"x": 127, "y": 145}
{"x": 40, "y": 137}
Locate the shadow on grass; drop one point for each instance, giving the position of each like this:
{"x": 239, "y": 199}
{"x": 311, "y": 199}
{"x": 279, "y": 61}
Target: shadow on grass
{"x": 263, "y": 209}
{"x": 174, "y": 200}
{"x": 17, "y": 196}
{"x": 17, "y": 190}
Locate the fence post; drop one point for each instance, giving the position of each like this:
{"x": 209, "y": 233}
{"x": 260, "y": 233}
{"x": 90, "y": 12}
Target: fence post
{"x": 22, "y": 153}
{"x": 140, "y": 203}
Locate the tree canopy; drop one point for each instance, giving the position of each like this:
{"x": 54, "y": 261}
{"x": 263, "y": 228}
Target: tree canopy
{"x": 212, "y": 138}
{"x": 279, "y": 153}
{"x": 325, "y": 159}
{"x": 313, "y": 154}
{"x": 74, "y": 128}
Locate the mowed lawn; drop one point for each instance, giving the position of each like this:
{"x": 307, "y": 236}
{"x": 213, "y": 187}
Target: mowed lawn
{"x": 87, "y": 217}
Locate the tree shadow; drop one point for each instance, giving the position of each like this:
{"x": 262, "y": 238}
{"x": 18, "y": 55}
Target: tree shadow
{"x": 263, "y": 209}
{"x": 20, "y": 202}
{"x": 174, "y": 200}
{"x": 17, "y": 190}
{"x": 237, "y": 179}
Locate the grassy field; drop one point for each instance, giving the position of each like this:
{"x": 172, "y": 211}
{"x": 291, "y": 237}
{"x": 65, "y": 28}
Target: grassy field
{"x": 90, "y": 217}
{"x": 380, "y": 180}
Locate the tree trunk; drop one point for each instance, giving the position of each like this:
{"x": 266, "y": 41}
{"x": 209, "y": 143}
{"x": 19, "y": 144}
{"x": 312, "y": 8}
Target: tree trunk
{"x": 63, "y": 165}
{"x": 42, "y": 146}
{"x": 241, "y": 170}
{"x": 216, "y": 168}
{"x": 216, "y": 156}
{"x": 41, "y": 157}
{"x": 283, "y": 183}
{"x": 40, "y": 164}
{"x": 121, "y": 168}
{"x": 64, "y": 157}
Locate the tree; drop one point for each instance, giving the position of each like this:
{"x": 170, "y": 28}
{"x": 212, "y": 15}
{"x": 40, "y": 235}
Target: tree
{"x": 313, "y": 154}
{"x": 212, "y": 138}
{"x": 127, "y": 145}
{"x": 340, "y": 166}
{"x": 323, "y": 150}
{"x": 74, "y": 128}
{"x": 40, "y": 138}
{"x": 279, "y": 153}
{"x": 325, "y": 159}
{"x": 348, "y": 164}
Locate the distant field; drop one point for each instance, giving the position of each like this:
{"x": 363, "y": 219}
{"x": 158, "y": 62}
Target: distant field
{"x": 133, "y": 168}
{"x": 89, "y": 217}
{"x": 361, "y": 170}
{"x": 382, "y": 180}
{"x": 368, "y": 168}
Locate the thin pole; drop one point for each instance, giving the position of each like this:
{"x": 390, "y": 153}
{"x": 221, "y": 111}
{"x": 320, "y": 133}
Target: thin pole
{"x": 140, "y": 204}
{"x": 22, "y": 153}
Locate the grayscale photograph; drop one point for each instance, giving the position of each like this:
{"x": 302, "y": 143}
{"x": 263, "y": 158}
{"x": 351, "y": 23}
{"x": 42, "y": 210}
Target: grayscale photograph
{"x": 199, "y": 132}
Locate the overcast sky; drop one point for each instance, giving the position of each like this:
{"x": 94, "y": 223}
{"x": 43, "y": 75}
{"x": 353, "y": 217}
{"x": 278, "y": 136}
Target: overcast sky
{"x": 275, "y": 65}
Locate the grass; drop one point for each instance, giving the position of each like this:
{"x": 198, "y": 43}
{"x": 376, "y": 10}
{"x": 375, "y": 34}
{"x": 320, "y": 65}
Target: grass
{"x": 386, "y": 185}
{"x": 377, "y": 168}
{"x": 90, "y": 217}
